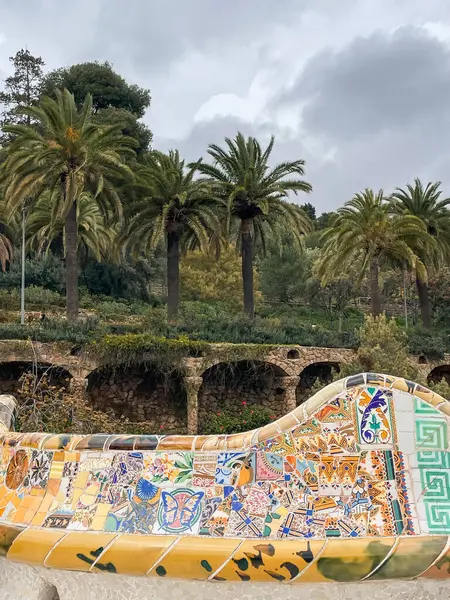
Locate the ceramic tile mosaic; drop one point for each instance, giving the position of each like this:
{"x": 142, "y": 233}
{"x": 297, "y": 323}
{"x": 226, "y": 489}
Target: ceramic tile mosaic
{"x": 353, "y": 485}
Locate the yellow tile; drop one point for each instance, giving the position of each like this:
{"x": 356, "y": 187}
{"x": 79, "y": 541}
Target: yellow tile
{"x": 38, "y": 492}
{"x": 33, "y": 440}
{"x": 19, "y": 515}
{"x": 277, "y": 560}
{"x": 411, "y": 557}
{"x": 29, "y": 516}
{"x": 176, "y": 442}
{"x": 134, "y": 554}
{"x": 81, "y": 479}
{"x": 33, "y": 545}
{"x": 53, "y": 486}
{"x": 38, "y": 519}
{"x": 101, "y": 513}
{"x": 56, "y": 470}
{"x": 215, "y": 442}
{"x": 440, "y": 568}
{"x": 238, "y": 441}
{"x": 7, "y": 536}
{"x": 78, "y": 550}
{"x": 349, "y": 559}
{"x": 445, "y": 408}
{"x": 46, "y": 503}
{"x": 195, "y": 558}
{"x": 287, "y": 422}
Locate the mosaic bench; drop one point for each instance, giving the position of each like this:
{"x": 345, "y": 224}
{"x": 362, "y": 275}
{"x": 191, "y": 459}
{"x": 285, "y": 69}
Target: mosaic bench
{"x": 351, "y": 490}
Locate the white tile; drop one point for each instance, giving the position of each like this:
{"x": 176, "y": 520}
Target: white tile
{"x": 424, "y": 527}
{"x": 405, "y": 421}
{"x": 417, "y": 486}
{"x": 403, "y": 402}
{"x": 406, "y": 443}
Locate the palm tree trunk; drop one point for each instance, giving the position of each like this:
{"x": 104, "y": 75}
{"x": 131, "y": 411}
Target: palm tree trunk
{"x": 424, "y": 302}
{"x": 71, "y": 231}
{"x": 173, "y": 274}
{"x": 247, "y": 266}
{"x": 375, "y": 295}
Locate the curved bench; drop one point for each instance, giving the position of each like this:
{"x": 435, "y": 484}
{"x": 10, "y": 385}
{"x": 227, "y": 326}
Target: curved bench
{"x": 352, "y": 486}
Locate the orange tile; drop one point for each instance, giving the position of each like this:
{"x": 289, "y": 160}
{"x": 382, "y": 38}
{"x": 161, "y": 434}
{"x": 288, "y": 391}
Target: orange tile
{"x": 134, "y": 554}
{"x": 33, "y": 545}
{"x": 78, "y": 550}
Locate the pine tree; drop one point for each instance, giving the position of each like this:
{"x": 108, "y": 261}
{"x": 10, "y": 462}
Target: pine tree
{"x": 21, "y": 90}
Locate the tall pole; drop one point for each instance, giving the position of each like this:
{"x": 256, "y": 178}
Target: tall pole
{"x": 22, "y": 287}
{"x": 404, "y": 298}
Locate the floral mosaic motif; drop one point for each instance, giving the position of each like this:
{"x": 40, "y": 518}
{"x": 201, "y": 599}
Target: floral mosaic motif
{"x": 373, "y": 415}
{"x": 167, "y": 469}
{"x": 344, "y": 474}
{"x": 39, "y": 469}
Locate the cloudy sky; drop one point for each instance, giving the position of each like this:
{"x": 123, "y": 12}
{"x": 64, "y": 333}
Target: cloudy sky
{"x": 360, "y": 89}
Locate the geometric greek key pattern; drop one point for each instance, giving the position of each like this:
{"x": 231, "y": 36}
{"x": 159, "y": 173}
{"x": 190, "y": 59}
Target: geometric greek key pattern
{"x": 425, "y": 409}
{"x": 438, "y": 517}
{"x": 436, "y": 485}
{"x": 433, "y": 460}
{"x": 431, "y": 434}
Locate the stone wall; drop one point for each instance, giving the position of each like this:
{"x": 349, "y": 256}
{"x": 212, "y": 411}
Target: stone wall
{"x": 139, "y": 394}
{"x": 185, "y": 403}
{"x": 11, "y": 372}
{"x": 226, "y": 387}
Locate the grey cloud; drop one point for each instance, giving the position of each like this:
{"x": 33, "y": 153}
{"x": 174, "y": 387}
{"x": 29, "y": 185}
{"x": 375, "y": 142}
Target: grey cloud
{"x": 383, "y": 82}
{"x": 371, "y": 111}
{"x": 381, "y": 104}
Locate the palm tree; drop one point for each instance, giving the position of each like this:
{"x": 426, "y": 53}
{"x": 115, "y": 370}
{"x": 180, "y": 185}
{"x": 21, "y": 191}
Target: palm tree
{"x": 174, "y": 207}
{"x": 6, "y": 251}
{"x": 96, "y": 237}
{"x": 364, "y": 231}
{"x": 255, "y": 194}
{"x": 426, "y": 203}
{"x": 68, "y": 154}
{"x": 7, "y": 230}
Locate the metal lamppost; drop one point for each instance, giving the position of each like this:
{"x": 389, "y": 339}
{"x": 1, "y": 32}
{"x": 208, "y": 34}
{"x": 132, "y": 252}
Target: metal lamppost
{"x": 22, "y": 286}
{"x": 405, "y": 302}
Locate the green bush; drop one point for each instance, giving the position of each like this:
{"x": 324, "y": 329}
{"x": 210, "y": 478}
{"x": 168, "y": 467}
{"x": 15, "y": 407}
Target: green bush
{"x": 226, "y": 422}
{"x": 52, "y": 330}
{"x": 45, "y": 271}
{"x": 113, "y": 308}
{"x": 429, "y": 344}
{"x": 34, "y": 295}
{"x": 213, "y": 323}
{"x": 43, "y": 297}
{"x": 9, "y": 300}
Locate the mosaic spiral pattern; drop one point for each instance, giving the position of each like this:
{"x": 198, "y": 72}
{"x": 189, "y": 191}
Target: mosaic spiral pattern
{"x": 353, "y": 485}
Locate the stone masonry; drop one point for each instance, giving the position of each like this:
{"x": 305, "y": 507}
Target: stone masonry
{"x": 183, "y": 403}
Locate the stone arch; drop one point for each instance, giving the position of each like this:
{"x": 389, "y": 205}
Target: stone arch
{"x": 12, "y": 371}
{"x": 293, "y": 354}
{"x": 439, "y": 373}
{"x": 322, "y": 372}
{"x": 226, "y": 385}
{"x": 141, "y": 393}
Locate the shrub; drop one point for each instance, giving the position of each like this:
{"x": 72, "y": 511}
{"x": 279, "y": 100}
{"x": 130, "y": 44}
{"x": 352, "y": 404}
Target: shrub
{"x": 226, "y": 422}
{"x": 112, "y": 308}
{"x": 383, "y": 349}
{"x": 45, "y": 270}
{"x": 43, "y": 407}
{"x": 52, "y": 330}
{"x": 428, "y": 344}
{"x": 43, "y": 297}
{"x": 34, "y": 295}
